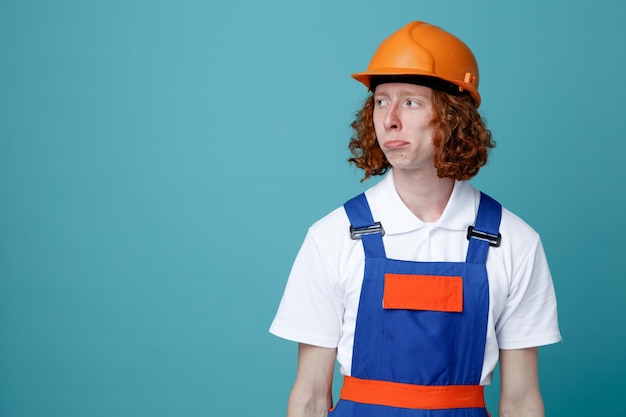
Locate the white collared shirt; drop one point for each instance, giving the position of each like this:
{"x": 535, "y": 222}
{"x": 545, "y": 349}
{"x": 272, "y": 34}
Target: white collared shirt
{"x": 321, "y": 298}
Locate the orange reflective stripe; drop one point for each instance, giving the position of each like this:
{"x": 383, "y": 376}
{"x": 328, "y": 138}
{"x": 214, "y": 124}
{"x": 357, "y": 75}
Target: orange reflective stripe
{"x": 426, "y": 397}
{"x": 423, "y": 292}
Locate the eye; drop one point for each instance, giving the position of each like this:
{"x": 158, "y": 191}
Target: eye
{"x": 379, "y": 102}
{"x": 412, "y": 103}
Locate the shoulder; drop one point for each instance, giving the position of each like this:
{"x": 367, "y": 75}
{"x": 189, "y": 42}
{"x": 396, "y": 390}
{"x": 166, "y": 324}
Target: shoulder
{"x": 336, "y": 224}
{"x": 330, "y": 226}
{"x": 520, "y": 236}
{"x": 329, "y": 239}
{"x": 465, "y": 202}
{"x": 330, "y": 235}
{"x": 516, "y": 233}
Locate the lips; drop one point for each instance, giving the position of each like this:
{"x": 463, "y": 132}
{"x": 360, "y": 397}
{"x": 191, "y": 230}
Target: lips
{"x": 395, "y": 144}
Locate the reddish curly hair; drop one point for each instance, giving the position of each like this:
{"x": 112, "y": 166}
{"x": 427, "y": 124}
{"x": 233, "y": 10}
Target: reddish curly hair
{"x": 462, "y": 140}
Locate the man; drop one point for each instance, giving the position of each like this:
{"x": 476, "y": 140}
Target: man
{"x": 421, "y": 284}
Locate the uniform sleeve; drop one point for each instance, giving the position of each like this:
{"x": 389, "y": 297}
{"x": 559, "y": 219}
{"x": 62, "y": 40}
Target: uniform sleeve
{"x": 311, "y": 307}
{"x": 529, "y": 317}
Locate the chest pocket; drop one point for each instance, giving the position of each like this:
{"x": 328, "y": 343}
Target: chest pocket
{"x": 423, "y": 292}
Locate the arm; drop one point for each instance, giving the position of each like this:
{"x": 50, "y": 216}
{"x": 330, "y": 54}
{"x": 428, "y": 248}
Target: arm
{"x": 311, "y": 395}
{"x": 519, "y": 384}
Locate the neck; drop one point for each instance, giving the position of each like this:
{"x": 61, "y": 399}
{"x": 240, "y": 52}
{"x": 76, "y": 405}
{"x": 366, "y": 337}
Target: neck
{"x": 424, "y": 194}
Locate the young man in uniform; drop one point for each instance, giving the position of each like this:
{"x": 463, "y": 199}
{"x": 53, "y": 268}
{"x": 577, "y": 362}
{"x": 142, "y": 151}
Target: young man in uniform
{"x": 421, "y": 284}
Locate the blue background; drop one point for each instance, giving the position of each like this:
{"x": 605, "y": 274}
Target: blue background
{"x": 160, "y": 162}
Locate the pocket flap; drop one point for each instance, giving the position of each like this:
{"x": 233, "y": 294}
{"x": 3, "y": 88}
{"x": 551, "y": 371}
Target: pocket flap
{"x": 423, "y": 292}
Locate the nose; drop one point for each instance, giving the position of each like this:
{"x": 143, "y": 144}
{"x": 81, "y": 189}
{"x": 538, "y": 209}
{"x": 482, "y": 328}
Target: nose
{"x": 392, "y": 119}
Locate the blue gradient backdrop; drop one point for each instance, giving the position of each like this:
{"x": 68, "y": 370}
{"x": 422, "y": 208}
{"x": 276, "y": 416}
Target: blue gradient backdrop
{"x": 160, "y": 162}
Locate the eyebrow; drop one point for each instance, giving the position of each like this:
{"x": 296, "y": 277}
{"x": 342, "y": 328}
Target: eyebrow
{"x": 403, "y": 92}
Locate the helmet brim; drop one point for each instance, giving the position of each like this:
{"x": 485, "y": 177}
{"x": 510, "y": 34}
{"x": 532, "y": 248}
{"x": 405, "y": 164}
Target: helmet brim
{"x": 365, "y": 78}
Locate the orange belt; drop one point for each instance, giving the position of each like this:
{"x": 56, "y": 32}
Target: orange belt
{"x": 427, "y": 397}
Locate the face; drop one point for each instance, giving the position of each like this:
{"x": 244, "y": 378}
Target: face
{"x": 402, "y": 120}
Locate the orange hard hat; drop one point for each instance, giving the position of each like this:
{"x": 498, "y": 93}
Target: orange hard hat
{"x": 424, "y": 50}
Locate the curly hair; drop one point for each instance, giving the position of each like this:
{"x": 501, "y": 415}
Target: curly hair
{"x": 461, "y": 139}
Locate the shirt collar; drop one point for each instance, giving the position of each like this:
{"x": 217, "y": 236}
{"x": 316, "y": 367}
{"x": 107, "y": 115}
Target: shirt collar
{"x": 389, "y": 209}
